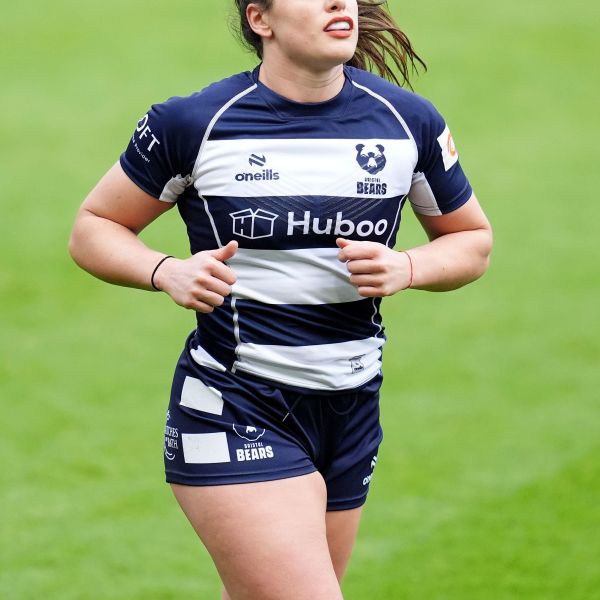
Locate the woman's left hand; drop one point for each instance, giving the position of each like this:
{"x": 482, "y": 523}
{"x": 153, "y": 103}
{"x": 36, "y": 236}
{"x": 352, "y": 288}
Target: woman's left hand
{"x": 375, "y": 269}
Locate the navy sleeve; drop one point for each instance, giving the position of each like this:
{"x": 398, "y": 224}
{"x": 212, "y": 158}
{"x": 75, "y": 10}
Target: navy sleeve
{"x": 439, "y": 184}
{"x": 161, "y": 153}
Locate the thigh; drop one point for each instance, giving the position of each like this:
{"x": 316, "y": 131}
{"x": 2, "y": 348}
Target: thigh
{"x": 342, "y": 528}
{"x": 268, "y": 539}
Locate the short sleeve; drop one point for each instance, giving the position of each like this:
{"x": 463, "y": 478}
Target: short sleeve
{"x": 161, "y": 153}
{"x": 439, "y": 185}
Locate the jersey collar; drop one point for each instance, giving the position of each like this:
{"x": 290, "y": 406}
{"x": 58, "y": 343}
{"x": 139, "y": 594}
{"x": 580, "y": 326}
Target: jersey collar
{"x": 289, "y": 109}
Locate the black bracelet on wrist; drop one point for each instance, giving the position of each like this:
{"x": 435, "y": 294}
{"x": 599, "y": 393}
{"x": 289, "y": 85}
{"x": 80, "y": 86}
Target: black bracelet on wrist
{"x": 160, "y": 262}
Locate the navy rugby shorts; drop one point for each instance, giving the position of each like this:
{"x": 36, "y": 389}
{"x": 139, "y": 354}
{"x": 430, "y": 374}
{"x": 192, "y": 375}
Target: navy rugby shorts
{"x": 225, "y": 428}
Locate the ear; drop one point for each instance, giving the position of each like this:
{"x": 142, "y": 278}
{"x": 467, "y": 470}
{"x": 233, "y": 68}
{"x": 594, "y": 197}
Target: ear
{"x": 258, "y": 20}
{"x": 359, "y": 147}
{"x": 380, "y": 148}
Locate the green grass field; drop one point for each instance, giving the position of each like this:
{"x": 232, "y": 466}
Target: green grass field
{"x": 488, "y": 484}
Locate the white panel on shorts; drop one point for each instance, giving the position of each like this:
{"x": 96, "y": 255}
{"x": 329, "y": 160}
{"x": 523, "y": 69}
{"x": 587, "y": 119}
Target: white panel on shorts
{"x": 344, "y": 365}
{"x": 422, "y": 198}
{"x": 300, "y": 167}
{"x": 205, "y": 448}
{"x": 292, "y": 276}
{"x": 204, "y": 359}
{"x": 198, "y": 396}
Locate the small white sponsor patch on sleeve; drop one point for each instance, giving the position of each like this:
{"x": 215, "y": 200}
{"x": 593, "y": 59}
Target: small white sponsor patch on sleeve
{"x": 198, "y": 396}
{"x": 205, "y": 448}
{"x": 449, "y": 153}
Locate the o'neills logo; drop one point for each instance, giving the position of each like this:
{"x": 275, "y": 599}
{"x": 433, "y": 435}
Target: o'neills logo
{"x": 264, "y": 175}
{"x": 258, "y": 160}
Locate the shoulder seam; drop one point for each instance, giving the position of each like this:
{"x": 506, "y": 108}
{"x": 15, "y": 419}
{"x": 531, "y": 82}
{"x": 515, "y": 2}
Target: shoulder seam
{"x": 389, "y": 106}
{"x": 213, "y": 122}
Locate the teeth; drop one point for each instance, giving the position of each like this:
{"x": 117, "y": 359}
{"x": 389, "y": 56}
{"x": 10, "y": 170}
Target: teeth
{"x": 339, "y": 26}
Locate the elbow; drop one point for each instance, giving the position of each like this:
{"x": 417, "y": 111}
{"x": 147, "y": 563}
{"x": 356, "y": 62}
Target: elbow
{"x": 484, "y": 266}
{"x": 76, "y": 244}
{"x": 73, "y": 245}
{"x": 485, "y": 251}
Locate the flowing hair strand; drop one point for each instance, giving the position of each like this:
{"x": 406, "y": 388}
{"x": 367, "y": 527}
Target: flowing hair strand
{"x": 381, "y": 42}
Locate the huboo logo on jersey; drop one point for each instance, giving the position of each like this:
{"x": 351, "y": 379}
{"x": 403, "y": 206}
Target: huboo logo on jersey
{"x": 254, "y": 449}
{"x": 143, "y": 139}
{"x": 371, "y": 158}
{"x": 266, "y": 174}
{"x": 337, "y": 226}
{"x": 259, "y": 223}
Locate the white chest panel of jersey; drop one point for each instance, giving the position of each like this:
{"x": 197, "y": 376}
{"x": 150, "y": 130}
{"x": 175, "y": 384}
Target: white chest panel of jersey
{"x": 306, "y": 167}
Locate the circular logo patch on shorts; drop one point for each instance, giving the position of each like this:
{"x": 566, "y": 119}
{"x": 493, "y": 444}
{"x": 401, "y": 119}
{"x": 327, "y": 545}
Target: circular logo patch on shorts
{"x": 248, "y": 432}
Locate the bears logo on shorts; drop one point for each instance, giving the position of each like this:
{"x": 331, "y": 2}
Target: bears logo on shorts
{"x": 249, "y": 432}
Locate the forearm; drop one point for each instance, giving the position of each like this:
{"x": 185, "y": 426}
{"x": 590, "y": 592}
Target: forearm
{"x": 112, "y": 252}
{"x": 451, "y": 261}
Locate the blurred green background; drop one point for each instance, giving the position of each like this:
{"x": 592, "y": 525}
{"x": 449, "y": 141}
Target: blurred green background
{"x": 488, "y": 484}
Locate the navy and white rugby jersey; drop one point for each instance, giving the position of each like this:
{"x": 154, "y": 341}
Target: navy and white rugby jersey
{"x": 285, "y": 179}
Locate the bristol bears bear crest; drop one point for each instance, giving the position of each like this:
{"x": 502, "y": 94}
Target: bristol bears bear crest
{"x": 371, "y": 159}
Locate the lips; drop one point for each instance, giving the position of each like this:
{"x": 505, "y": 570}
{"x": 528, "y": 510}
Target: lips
{"x": 340, "y": 27}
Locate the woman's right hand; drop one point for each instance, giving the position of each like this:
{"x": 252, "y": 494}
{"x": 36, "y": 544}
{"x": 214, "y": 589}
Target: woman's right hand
{"x": 200, "y": 282}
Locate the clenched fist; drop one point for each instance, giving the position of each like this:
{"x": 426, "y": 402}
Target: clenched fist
{"x": 200, "y": 282}
{"x": 375, "y": 269}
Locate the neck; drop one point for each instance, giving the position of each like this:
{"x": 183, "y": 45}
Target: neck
{"x": 301, "y": 84}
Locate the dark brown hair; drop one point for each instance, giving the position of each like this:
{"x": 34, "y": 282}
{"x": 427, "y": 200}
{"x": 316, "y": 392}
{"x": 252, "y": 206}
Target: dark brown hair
{"x": 382, "y": 45}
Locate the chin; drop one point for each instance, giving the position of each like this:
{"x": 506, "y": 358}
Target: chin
{"x": 326, "y": 58}
{"x": 339, "y": 57}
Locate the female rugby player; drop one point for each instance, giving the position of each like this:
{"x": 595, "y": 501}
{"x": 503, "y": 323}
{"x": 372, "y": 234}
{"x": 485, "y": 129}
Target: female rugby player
{"x": 290, "y": 179}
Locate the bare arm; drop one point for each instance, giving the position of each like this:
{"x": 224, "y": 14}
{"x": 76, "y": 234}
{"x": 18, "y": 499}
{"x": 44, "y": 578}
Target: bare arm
{"x": 457, "y": 254}
{"x": 104, "y": 240}
{"x": 105, "y": 243}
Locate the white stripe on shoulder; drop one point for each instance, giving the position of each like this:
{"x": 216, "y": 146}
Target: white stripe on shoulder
{"x": 390, "y": 107}
{"x": 207, "y": 133}
{"x": 214, "y": 120}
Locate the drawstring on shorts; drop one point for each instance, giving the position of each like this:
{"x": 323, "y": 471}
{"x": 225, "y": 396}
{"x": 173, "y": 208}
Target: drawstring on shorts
{"x": 291, "y": 408}
{"x": 342, "y": 414}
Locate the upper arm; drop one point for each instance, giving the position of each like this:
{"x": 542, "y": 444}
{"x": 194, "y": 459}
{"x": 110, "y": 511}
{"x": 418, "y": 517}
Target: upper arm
{"x": 154, "y": 170}
{"x": 441, "y": 195}
{"x": 469, "y": 217}
{"x": 118, "y": 199}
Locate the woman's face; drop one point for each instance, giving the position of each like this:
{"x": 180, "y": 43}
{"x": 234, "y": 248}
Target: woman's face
{"x": 314, "y": 34}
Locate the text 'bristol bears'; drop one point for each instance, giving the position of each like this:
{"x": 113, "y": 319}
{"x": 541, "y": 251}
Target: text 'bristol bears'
{"x": 373, "y": 161}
